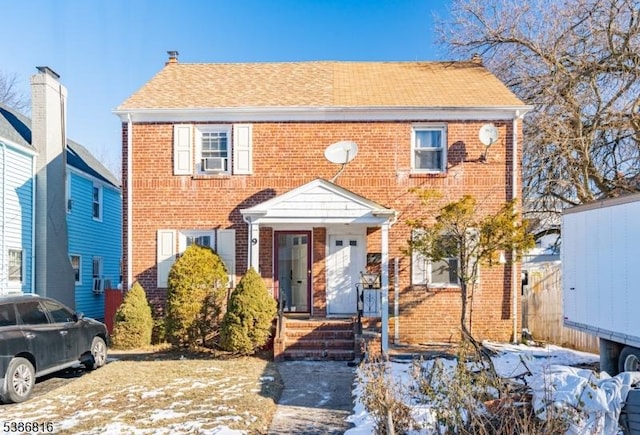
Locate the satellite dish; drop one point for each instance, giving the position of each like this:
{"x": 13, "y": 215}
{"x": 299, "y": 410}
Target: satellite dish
{"x": 488, "y": 134}
{"x": 341, "y": 152}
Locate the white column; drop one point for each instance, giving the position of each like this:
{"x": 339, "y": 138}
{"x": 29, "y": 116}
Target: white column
{"x": 384, "y": 282}
{"x": 254, "y": 243}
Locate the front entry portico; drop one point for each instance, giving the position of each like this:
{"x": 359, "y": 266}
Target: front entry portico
{"x": 336, "y": 221}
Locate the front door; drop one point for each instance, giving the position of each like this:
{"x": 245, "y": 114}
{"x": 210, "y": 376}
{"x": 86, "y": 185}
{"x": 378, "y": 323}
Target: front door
{"x": 293, "y": 269}
{"x": 345, "y": 262}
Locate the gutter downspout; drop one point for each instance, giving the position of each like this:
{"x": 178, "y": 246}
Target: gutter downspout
{"x": 34, "y": 168}
{"x": 514, "y": 181}
{"x": 396, "y": 302}
{"x": 129, "y": 201}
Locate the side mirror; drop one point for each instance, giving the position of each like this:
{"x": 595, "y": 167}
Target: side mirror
{"x": 78, "y": 316}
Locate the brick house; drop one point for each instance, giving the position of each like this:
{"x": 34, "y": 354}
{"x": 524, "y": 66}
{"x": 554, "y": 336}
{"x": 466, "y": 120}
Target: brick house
{"x": 234, "y": 156}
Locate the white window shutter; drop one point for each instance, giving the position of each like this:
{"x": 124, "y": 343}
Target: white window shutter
{"x": 242, "y": 149}
{"x": 419, "y": 263}
{"x": 166, "y": 255}
{"x": 227, "y": 251}
{"x": 182, "y": 149}
{"x": 419, "y": 269}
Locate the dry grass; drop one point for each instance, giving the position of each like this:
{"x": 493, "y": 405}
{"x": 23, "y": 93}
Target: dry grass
{"x": 160, "y": 392}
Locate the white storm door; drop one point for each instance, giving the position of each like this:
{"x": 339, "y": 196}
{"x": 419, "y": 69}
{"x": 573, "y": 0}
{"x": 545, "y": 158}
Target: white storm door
{"x": 345, "y": 261}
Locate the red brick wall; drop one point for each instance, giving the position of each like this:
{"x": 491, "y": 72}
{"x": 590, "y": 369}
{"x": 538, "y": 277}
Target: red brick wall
{"x": 287, "y": 155}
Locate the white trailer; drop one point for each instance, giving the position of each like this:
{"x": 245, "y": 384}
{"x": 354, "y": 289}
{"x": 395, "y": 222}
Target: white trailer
{"x": 601, "y": 277}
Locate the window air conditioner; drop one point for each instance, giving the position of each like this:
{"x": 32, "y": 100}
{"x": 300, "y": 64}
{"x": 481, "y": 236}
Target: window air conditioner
{"x": 213, "y": 164}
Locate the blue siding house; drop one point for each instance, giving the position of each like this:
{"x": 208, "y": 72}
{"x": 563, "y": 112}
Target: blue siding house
{"x": 83, "y": 220}
{"x": 94, "y": 223}
{"x": 17, "y": 190}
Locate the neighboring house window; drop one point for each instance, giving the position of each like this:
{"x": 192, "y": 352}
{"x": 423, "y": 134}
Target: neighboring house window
{"x": 16, "y": 265}
{"x": 76, "y": 265}
{"x": 425, "y": 271}
{"x": 96, "y": 272}
{"x": 429, "y": 149}
{"x": 213, "y": 154}
{"x": 68, "y": 193}
{"x": 97, "y": 267}
{"x": 97, "y": 202}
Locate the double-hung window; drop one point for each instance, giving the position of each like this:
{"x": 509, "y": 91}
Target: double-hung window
{"x": 172, "y": 242}
{"x": 76, "y": 264}
{"x": 96, "y": 272}
{"x": 97, "y": 202}
{"x": 16, "y": 265}
{"x": 429, "y": 149}
{"x": 433, "y": 273}
{"x": 213, "y": 149}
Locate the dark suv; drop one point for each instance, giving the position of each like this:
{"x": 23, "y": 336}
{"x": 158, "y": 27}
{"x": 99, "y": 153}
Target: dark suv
{"x": 39, "y": 336}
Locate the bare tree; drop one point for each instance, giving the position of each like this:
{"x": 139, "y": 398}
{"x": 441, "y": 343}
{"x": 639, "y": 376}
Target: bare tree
{"x": 11, "y": 95}
{"x": 578, "y": 63}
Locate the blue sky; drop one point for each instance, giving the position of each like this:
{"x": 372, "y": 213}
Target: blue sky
{"x": 105, "y": 50}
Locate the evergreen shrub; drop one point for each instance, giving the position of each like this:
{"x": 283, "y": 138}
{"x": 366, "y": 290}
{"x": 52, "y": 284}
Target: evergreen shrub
{"x": 197, "y": 288}
{"x": 247, "y": 324}
{"x": 133, "y": 321}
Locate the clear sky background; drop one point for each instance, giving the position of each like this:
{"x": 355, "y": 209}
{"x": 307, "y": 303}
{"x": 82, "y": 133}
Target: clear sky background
{"x": 106, "y": 50}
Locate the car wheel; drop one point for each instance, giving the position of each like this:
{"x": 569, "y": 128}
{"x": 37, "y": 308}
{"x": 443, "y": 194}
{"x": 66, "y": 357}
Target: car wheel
{"x": 19, "y": 381}
{"x": 98, "y": 354}
{"x": 629, "y": 360}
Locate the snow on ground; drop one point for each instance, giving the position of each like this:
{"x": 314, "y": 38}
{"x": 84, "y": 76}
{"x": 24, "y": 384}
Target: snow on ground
{"x": 551, "y": 376}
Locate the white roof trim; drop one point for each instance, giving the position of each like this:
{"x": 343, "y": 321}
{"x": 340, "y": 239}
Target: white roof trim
{"x": 313, "y": 203}
{"x": 9, "y": 144}
{"x": 275, "y": 114}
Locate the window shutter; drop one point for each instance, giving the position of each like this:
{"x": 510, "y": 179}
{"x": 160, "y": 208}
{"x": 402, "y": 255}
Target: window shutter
{"x": 227, "y": 252}
{"x": 419, "y": 263}
{"x": 166, "y": 255}
{"x": 419, "y": 269}
{"x": 242, "y": 144}
{"x": 182, "y": 149}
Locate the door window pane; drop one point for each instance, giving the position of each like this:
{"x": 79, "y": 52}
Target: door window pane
{"x": 59, "y": 312}
{"x": 32, "y": 313}
{"x": 7, "y": 315}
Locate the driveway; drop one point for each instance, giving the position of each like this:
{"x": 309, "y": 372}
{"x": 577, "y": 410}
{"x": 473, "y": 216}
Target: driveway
{"x": 316, "y": 398}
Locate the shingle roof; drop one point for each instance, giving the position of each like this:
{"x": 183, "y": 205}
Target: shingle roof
{"x": 17, "y": 127}
{"x": 322, "y": 84}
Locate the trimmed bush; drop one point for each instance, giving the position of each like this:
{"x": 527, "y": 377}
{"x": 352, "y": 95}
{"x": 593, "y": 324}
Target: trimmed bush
{"x": 196, "y": 294}
{"x": 133, "y": 322}
{"x": 247, "y": 323}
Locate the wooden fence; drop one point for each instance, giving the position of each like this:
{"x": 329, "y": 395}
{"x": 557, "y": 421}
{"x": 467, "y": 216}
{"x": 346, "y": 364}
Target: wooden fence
{"x": 542, "y": 310}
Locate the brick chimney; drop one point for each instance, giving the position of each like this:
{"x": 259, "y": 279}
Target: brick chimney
{"x": 54, "y": 275}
